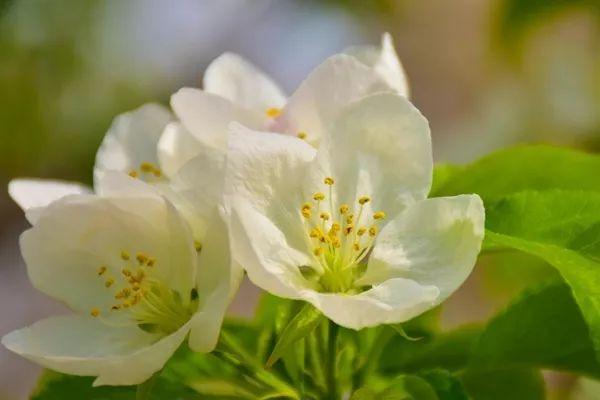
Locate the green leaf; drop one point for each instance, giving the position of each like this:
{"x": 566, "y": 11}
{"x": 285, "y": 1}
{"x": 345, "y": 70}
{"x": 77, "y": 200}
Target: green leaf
{"x": 542, "y": 328}
{"x": 451, "y": 351}
{"x": 300, "y": 326}
{"x": 409, "y": 387}
{"x": 521, "y": 168}
{"x": 562, "y": 228}
{"x": 446, "y": 385}
{"x": 364, "y": 394}
{"x": 513, "y": 384}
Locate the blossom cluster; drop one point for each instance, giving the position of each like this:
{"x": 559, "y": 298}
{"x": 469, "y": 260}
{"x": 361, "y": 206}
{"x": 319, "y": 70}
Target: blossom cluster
{"x": 320, "y": 196}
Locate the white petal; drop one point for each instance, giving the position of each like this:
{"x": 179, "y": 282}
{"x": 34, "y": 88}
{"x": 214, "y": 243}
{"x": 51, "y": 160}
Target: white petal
{"x": 176, "y": 147}
{"x": 132, "y": 138}
{"x": 197, "y": 188}
{"x": 206, "y": 116}
{"x": 232, "y": 77}
{"x": 33, "y": 195}
{"x": 85, "y": 346}
{"x": 263, "y": 250}
{"x": 384, "y": 60}
{"x": 340, "y": 80}
{"x": 218, "y": 280}
{"x": 77, "y": 235}
{"x": 434, "y": 242}
{"x": 393, "y": 301}
{"x": 267, "y": 170}
{"x": 380, "y": 146}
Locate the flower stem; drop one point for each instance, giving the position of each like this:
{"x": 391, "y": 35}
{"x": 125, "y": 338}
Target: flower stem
{"x": 331, "y": 361}
{"x": 143, "y": 389}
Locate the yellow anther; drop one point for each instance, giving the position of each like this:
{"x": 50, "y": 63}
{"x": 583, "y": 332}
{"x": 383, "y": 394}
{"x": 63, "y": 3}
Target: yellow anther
{"x": 197, "y": 245}
{"x": 344, "y": 208}
{"x": 126, "y": 272}
{"x": 101, "y": 270}
{"x": 147, "y": 167}
{"x": 142, "y": 258}
{"x": 328, "y": 181}
{"x": 336, "y": 242}
{"x": 301, "y": 135}
{"x": 157, "y": 173}
{"x": 94, "y": 312}
{"x": 133, "y": 173}
{"x": 126, "y": 304}
{"x": 350, "y": 219}
{"x": 348, "y": 229}
{"x": 315, "y": 233}
{"x": 306, "y": 206}
{"x": 372, "y": 231}
{"x": 109, "y": 282}
{"x": 135, "y": 286}
{"x": 125, "y": 255}
{"x": 318, "y": 251}
{"x": 364, "y": 200}
{"x": 379, "y": 215}
{"x": 356, "y": 246}
{"x": 318, "y": 196}
{"x": 324, "y": 216}
{"x": 335, "y": 227}
{"x": 361, "y": 231}
{"x": 273, "y": 112}
{"x": 116, "y": 307}
{"x": 306, "y": 213}
{"x": 151, "y": 261}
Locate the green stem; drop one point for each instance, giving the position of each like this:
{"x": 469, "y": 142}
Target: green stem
{"x": 331, "y": 361}
{"x": 143, "y": 389}
{"x": 382, "y": 339}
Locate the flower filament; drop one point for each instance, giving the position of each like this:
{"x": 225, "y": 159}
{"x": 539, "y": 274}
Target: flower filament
{"x": 339, "y": 238}
{"x": 149, "y": 303}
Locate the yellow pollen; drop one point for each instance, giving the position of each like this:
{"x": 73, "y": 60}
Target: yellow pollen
{"x": 147, "y": 167}
{"x": 306, "y": 213}
{"x": 142, "y": 258}
{"x": 94, "y": 312}
{"x": 318, "y": 251}
{"x": 356, "y": 246}
{"x": 361, "y": 231}
{"x": 336, "y": 242}
{"x": 344, "y": 208}
{"x": 335, "y": 227}
{"x": 364, "y": 200}
{"x": 315, "y": 233}
{"x": 139, "y": 276}
{"x": 306, "y": 206}
{"x": 126, "y": 272}
{"x": 372, "y": 231}
{"x": 324, "y": 216}
{"x": 197, "y": 245}
{"x": 301, "y": 135}
{"x": 109, "y": 282}
{"x": 133, "y": 173}
{"x": 379, "y": 215}
{"x": 157, "y": 173}
{"x": 125, "y": 255}
{"x": 350, "y": 219}
{"x": 101, "y": 270}
{"x": 116, "y": 307}
{"x": 273, "y": 112}
{"x": 328, "y": 181}
{"x": 348, "y": 229}
{"x": 318, "y": 196}
{"x": 151, "y": 261}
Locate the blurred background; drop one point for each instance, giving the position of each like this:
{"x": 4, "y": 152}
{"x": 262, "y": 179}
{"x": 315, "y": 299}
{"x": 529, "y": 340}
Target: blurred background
{"x": 486, "y": 73}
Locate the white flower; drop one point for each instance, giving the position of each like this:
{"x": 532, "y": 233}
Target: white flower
{"x": 235, "y": 90}
{"x": 127, "y": 267}
{"x": 348, "y": 227}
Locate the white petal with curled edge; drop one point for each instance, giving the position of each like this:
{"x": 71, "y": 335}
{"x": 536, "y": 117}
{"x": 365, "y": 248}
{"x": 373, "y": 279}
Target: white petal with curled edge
{"x": 380, "y": 146}
{"x": 206, "y": 116}
{"x": 384, "y": 60}
{"x": 393, "y": 301}
{"x": 86, "y": 346}
{"x": 433, "y": 242}
{"x": 338, "y": 81}
{"x": 218, "y": 280}
{"x": 237, "y": 80}
{"x": 132, "y": 139}
{"x": 176, "y": 147}
{"x": 77, "y": 235}
{"x": 33, "y": 195}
